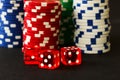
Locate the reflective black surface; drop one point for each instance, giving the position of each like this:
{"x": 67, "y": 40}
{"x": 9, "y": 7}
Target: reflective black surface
{"x": 96, "y": 67}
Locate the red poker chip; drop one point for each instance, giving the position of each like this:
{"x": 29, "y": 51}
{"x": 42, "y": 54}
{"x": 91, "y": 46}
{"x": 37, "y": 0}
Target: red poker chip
{"x": 36, "y": 40}
{"x": 41, "y": 27}
{"x": 42, "y": 20}
{"x": 41, "y": 24}
{"x": 40, "y": 34}
{"x": 42, "y": 48}
{"x": 43, "y": 15}
{"x": 38, "y": 24}
{"x": 40, "y": 40}
{"x": 47, "y": 29}
{"x": 43, "y": 3}
{"x": 43, "y": 30}
{"x": 40, "y": 37}
{"x": 42, "y": 44}
{"x": 51, "y": 35}
{"x": 46, "y": 46}
{"x": 29, "y": 50}
{"x": 40, "y": 31}
{"x": 52, "y": 11}
{"x": 31, "y": 5}
{"x": 36, "y": 9}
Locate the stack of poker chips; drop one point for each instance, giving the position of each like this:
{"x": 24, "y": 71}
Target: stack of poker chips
{"x": 67, "y": 27}
{"x": 92, "y": 25}
{"x": 41, "y": 24}
{"x": 11, "y": 22}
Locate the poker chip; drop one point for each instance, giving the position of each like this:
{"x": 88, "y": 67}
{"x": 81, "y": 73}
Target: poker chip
{"x": 41, "y": 24}
{"x": 66, "y": 25}
{"x": 11, "y": 22}
{"x": 96, "y": 51}
{"x": 92, "y": 25}
{"x": 40, "y": 32}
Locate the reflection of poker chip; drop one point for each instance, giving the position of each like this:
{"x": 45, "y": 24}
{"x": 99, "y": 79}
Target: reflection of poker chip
{"x": 92, "y": 26}
{"x": 11, "y": 22}
{"x": 41, "y": 24}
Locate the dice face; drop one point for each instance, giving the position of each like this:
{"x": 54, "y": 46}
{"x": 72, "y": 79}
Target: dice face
{"x": 70, "y": 55}
{"x": 49, "y": 59}
{"x": 30, "y": 57}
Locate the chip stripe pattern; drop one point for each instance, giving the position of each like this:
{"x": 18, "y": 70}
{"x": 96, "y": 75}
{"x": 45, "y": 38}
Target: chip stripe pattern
{"x": 92, "y": 26}
{"x": 11, "y": 23}
{"x": 41, "y": 32}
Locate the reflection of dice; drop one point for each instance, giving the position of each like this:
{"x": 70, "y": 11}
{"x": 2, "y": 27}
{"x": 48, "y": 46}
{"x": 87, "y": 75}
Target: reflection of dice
{"x": 30, "y": 56}
{"x": 49, "y": 59}
{"x": 71, "y": 55}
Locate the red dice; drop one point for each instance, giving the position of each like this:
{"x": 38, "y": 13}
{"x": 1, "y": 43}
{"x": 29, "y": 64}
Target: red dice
{"x": 49, "y": 59}
{"x": 30, "y": 56}
{"x": 71, "y": 55}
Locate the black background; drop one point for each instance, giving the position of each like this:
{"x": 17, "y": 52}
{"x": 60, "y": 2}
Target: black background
{"x": 94, "y": 67}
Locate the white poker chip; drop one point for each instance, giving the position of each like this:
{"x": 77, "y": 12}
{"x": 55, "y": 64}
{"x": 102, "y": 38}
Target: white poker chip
{"x": 94, "y": 30}
{"x": 92, "y": 20}
{"x": 91, "y": 36}
{"x": 90, "y": 1}
{"x": 90, "y": 4}
{"x": 95, "y": 23}
{"x": 96, "y": 51}
{"x": 90, "y": 8}
{"x": 95, "y": 46}
{"x": 92, "y": 33}
{"x": 90, "y": 17}
{"x": 78, "y": 26}
{"x": 88, "y": 41}
{"x": 94, "y": 10}
{"x": 90, "y": 14}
